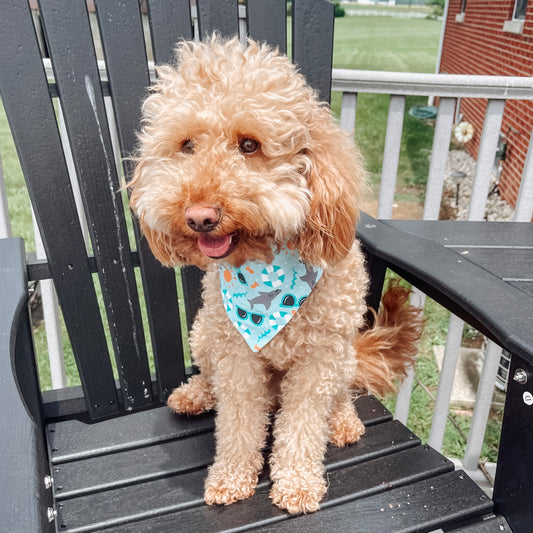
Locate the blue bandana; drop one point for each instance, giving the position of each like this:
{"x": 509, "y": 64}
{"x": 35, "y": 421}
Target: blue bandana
{"x": 261, "y": 298}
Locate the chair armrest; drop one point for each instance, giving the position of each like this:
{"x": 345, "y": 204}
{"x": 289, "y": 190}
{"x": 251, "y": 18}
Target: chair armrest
{"x": 496, "y": 308}
{"x": 23, "y": 504}
{"x": 481, "y": 292}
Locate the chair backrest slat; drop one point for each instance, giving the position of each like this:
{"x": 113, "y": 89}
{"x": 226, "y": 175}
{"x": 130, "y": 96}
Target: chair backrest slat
{"x": 78, "y": 81}
{"x": 122, "y": 37}
{"x": 267, "y": 22}
{"x": 312, "y": 42}
{"x": 36, "y": 134}
{"x": 170, "y": 22}
{"x": 219, "y": 15}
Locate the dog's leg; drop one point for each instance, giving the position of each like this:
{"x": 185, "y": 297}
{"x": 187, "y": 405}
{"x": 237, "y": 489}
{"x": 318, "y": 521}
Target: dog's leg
{"x": 301, "y": 431}
{"x": 344, "y": 425}
{"x": 196, "y": 396}
{"x": 241, "y": 386}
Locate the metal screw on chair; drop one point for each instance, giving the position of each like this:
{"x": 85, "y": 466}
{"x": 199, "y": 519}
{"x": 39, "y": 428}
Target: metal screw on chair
{"x": 51, "y": 513}
{"x": 520, "y": 376}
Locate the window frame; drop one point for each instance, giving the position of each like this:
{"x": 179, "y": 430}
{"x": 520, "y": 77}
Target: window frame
{"x": 522, "y": 5}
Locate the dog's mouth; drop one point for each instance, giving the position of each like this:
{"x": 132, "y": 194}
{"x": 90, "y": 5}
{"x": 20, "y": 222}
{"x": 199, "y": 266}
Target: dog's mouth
{"x": 217, "y": 247}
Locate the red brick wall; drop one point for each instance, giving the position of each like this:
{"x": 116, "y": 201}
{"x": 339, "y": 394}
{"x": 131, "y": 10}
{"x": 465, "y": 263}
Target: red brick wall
{"x": 479, "y": 45}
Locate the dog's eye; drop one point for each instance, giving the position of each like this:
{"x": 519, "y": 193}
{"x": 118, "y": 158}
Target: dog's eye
{"x": 248, "y": 146}
{"x": 187, "y": 147}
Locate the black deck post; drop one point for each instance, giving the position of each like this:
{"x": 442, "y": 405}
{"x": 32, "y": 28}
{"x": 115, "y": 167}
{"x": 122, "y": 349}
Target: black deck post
{"x": 512, "y": 489}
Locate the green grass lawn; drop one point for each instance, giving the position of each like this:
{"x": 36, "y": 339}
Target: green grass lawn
{"x": 386, "y": 43}
{"x": 425, "y": 391}
{"x": 17, "y": 194}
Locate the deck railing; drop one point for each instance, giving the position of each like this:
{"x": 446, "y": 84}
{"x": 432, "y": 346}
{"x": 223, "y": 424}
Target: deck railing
{"x": 449, "y": 89}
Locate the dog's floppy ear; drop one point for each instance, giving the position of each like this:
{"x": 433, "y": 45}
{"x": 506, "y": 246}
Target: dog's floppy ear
{"x": 161, "y": 246}
{"x": 335, "y": 178}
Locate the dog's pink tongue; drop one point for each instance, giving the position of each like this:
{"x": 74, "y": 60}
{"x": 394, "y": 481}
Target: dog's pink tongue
{"x": 214, "y": 246}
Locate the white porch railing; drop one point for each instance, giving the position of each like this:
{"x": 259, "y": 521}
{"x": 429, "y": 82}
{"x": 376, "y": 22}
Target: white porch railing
{"x": 449, "y": 88}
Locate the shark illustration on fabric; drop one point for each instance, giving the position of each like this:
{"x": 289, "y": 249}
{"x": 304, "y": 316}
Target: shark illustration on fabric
{"x": 260, "y": 298}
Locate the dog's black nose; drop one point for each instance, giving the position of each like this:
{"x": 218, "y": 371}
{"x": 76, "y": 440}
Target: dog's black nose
{"x": 202, "y": 219}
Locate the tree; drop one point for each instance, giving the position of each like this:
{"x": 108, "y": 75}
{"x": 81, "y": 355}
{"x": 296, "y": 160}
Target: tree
{"x": 438, "y": 7}
{"x": 339, "y": 11}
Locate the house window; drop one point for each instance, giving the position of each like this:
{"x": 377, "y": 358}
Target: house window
{"x": 516, "y": 24}
{"x": 519, "y": 12}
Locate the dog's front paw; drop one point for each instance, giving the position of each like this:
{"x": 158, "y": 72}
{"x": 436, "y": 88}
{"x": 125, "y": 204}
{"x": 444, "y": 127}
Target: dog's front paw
{"x": 225, "y": 489}
{"x": 192, "y": 398}
{"x": 298, "y": 494}
{"x": 226, "y": 494}
{"x": 345, "y": 427}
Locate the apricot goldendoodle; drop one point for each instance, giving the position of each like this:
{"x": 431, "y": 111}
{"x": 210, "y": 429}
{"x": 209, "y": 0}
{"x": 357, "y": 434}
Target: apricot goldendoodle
{"x": 244, "y": 173}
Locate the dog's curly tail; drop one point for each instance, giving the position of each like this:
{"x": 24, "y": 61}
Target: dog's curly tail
{"x": 387, "y": 349}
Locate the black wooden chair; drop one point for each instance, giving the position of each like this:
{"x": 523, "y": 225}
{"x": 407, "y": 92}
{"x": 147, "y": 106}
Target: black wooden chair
{"x": 108, "y": 455}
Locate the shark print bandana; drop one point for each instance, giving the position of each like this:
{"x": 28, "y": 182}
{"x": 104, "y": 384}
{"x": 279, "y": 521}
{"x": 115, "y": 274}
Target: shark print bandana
{"x": 261, "y": 298}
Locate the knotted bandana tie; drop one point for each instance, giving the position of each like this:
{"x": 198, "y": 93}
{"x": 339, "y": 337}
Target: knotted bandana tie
{"x": 261, "y": 298}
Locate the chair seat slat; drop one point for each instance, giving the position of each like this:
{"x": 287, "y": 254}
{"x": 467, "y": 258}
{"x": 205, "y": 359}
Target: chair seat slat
{"x": 426, "y": 505}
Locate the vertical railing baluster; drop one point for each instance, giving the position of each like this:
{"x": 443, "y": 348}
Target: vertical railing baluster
{"x": 480, "y": 416}
{"x": 52, "y": 323}
{"x": 480, "y": 189}
{"x": 439, "y": 158}
{"x": 485, "y": 158}
{"x": 524, "y": 204}
{"x": 446, "y": 377}
{"x": 403, "y": 398}
{"x": 348, "y": 112}
{"x": 391, "y": 155}
{"x": 5, "y": 222}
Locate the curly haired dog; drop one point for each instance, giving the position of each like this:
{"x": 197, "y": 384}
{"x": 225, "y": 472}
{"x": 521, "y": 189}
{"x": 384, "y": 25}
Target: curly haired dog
{"x": 238, "y": 161}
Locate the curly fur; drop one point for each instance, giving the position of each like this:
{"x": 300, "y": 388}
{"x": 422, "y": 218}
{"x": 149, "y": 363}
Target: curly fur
{"x": 302, "y": 184}
{"x": 387, "y": 349}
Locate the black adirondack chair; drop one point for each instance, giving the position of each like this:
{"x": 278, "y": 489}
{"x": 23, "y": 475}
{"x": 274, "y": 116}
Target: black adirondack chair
{"x": 109, "y": 455}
